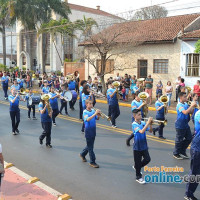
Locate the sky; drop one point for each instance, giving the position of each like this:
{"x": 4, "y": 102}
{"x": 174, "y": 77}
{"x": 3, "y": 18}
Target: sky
{"x": 121, "y": 7}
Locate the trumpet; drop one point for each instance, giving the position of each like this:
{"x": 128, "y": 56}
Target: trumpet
{"x": 189, "y": 104}
{"x": 164, "y": 99}
{"x": 102, "y": 115}
{"x": 144, "y": 96}
{"x": 189, "y": 89}
{"x": 46, "y": 98}
{"x": 96, "y": 94}
{"x": 70, "y": 77}
{"x": 156, "y": 122}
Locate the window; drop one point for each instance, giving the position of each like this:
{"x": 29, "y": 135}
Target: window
{"x": 160, "y": 66}
{"x": 192, "y": 64}
{"x": 109, "y": 66}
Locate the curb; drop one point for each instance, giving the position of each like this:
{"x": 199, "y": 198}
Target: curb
{"x": 37, "y": 182}
{"x": 120, "y": 104}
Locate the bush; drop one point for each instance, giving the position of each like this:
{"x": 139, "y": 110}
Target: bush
{"x": 3, "y": 67}
{"x": 197, "y": 47}
{"x": 58, "y": 73}
{"x": 68, "y": 60}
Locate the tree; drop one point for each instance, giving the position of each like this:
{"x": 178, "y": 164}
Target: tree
{"x": 152, "y": 12}
{"x": 105, "y": 51}
{"x": 33, "y": 13}
{"x": 197, "y": 47}
{"x": 4, "y": 21}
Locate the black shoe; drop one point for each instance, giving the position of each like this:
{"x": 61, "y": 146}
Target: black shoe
{"x": 17, "y": 131}
{"x": 127, "y": 142}
{"x": 83, "y": 158}
{"x": 178, "y": 157}
{"x": 94, "y": 165}
{"x": 190, "y": 198}
{"x": 154, "y": 132}
{"x": 161, "y": 137}
{"x": 41, "y": 141}
{"x": 184, "y": 155}
{"x": 49, "y": 145}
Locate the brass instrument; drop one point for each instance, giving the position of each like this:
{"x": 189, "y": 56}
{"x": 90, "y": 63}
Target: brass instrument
{"x": 156, "y": 122}
{"x": 96, "y": 94}
{"x": 189, "y": 89}
{"x": 189, "y": 104}
{"x": 141, "y": 80}
{"x": 144, "y": 96}
{"x": 45, "y": 98}
{"x": 164, "y": 99}
{"x": 102, "y": 115}
{"x": 70, "y": 77}
{"x": 116, "y": 85}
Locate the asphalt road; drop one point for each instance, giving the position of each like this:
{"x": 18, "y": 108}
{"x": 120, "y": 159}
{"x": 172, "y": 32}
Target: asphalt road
{"x": 62, "y": 169}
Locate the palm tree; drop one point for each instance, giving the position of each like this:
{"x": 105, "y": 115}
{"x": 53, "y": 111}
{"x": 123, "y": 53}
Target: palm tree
{"x": 33, "y": 13}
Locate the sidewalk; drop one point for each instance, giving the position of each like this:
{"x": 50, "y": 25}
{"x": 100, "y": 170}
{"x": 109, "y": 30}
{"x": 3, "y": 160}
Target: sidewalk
{"x": 15, "y": 187}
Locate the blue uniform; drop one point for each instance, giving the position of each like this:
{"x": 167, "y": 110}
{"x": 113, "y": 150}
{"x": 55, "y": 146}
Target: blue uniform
{"x": 45, "y": 116}
{"x": 20, "y": 82}
{"x": 140, "y": 141}
{"x": 182, "y": 120}
{"x": 135, "y": 88}
{"x": 63, "y": 103}
{"x": 183, "y": 132}
{"x": 195, "y": 157}
{"x": 108, "y": 99}
{"x": 17, "y": 87}
{"x": 84, "y": 98}
{"x": 113, "y": 100}
{"x": 135, "y": 105}
{"x": 80, "y": 103}
{"x": 14, "y": 112}
{"x": 45, "y": 90}
{"x": 72, "y": 85}
{"x": 53, "y": 102}
{"x": 80, "y": 93}
{"x": 195, "y": 111}
{"x": 5, "y": 80}
{"x": 27, "y": 98}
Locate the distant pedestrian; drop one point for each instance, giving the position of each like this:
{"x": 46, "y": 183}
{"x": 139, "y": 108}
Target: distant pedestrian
{"x": 169, "y": 90}
{"x": 178, "y": 81}
{"x": 196, "y": 89}
{"x": 159, "y": 88}
{"x": 149, "y": 87}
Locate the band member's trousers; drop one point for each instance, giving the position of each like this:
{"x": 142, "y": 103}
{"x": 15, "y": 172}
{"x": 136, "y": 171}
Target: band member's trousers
{"x": 71, "y": 104}
{"x": 15, "y": 118}
{"x": 54, "y": 115}
{"x": 160, "y": 127}
{"x": 63, "y": 105}
{"x": 89, "y": 148}
{"x": 109, "y": 111}
{"x": 80, "y": 110}
{"x": 194, "y": 170}
{"x": 182, "y": 141}
{"x": 141, "y": 158}
{"x": 5, "y": 89}
{"x": 46, "y": 132}
{"x": 29, "y": 110}
{"x": 115, "y": 112}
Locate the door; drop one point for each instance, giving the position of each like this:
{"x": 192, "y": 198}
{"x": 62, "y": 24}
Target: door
{"x": 142, "y": 69}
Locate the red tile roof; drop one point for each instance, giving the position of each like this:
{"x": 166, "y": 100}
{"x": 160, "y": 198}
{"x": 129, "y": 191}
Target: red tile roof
{"x": 91, "y": 10}
{"x": 155, "y": 30}
{"x": 193, "y": 34}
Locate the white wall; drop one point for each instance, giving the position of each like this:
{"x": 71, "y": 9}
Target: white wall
{"x": 187, "y": 47}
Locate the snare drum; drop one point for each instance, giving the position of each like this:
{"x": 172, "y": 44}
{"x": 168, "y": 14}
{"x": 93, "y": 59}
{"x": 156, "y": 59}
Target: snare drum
{"x": 74, "y": 95}
{"x": 68, "y": 95}
{"x": 34, "y": 100}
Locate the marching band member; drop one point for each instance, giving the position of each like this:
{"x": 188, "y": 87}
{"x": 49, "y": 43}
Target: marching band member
{"x": 46, "y": 88}
{"x": 90, "y": 116}
{"x": 14, "y": 99}
{"x": 15, "y": 85}
{"x": 46, "y": 116}
{"x": 28, "y": 96}
{"x": 183, "y": 132}
{"x": 83, "y": 83}
{"x": 72, "y": 86}
{"x": 195, "y": 99}
{"x": 62, "y": 101}
{"x": 108, "y": 99}
{"x": 140, "y": 148}
{"x": 20, "y": 81}
{"x": 114, "y": 105}
{"x": 54, "y": 104}
{"x": 85, "y": 95}
{"x": 136, "y": 88}
{"x": 195, "y": 160}
{"x": 4, "y": 81}
{"x": 138, "y": 104}
{"x": 160, "y": 115}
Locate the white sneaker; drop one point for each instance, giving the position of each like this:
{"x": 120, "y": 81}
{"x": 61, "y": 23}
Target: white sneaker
{"x": 141, "y": 181}
{"x": 135, "y": 169}
{"x": 54, "y": 124}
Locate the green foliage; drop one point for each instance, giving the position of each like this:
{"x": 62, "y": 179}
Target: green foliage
{"x": 67, "y": 60}
{"x": 3, "y": 67}
{"x": 197, "y": 47}
{"x": 58, "y": 73}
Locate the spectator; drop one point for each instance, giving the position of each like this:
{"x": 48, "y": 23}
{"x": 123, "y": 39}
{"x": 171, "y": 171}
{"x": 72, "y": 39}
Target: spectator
{"x": 149, "y": 87}
{"x": 37, "y": 73}
{"x": 77, "y": 79}
{"x": 123, "y": 93}
{"x": 57, "y": 83}
{"x": 28, "y": 81}
{"x": 196, "y": 90}
{"x": 62, "y": 79}
{"x": 133, "y": 84}
{"x": 182, "y": 84}
{"x": 1, "y": 74}
{"x": 117, "y": 78}
{"x": 127, "y": 85}
{"x": 178, "y": 81}
{"x": 99, "y": 84}
{"x": 159, "y": 88}
{"x": 95, "y": 83}
{"x": 169, "y": 90}
{"x": 2, "y": 171}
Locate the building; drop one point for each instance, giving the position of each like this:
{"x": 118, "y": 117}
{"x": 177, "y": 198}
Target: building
{"x": 160, "y": 47}
{"x": 29, "y": 46}
{"x": 11, "y": 46}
